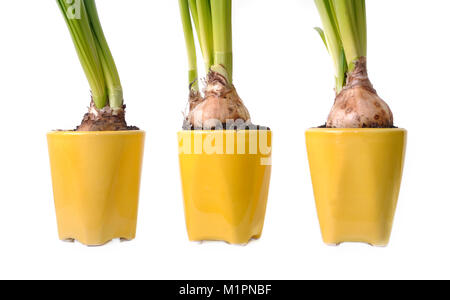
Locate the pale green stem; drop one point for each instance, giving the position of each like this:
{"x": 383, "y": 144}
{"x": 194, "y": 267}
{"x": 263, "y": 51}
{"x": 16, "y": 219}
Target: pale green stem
{"x": 333, "y": 40}
{"x": 85, "y": 46}
{"x": 194, "y": 14}
{"x": 205, "y": 33}
{"x": 190, "y": 44}
{"x": 360, "y": 11}
{"x": 349, "y": 32}
{"x": 222, "y": 35}
{"x": 113, "y": 84}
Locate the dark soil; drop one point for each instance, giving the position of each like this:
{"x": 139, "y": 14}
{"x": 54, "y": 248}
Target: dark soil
{"x": 133, "y": 128}
{"x": 325, "y": 126}
{"x": 129, "y": 128}
{"x": 188, "y": 126}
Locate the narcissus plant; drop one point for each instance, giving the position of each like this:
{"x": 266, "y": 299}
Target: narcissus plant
{"x": 220, "y": 102}
{"x": 344, "y": 32}
{"x": 230, "y": 173}
{"x": 107, "y": 111}
{"x": 96, "y": 169}
{"x": 356, "y": 162}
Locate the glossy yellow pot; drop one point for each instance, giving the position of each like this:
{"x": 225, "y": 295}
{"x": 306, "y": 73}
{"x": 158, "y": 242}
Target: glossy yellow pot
{"x": 96, "y": 180}
{"x": 225, "y": 179}
{"x": 356, "y": 175}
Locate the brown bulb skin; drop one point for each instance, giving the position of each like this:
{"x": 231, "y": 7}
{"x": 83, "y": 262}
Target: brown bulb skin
{"x": 220, "y": 104}
{"x": 358, "y": 104}
{"x": 105, "y": 119}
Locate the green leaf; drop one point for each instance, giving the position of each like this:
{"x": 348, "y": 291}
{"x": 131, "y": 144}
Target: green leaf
{"x": 222, "y": 35}
{"x": 205, "y": 33}
{"x": 322, "y": 35}
{"x": 113, "y": 84}
{"x": 332, "y": 37}
{"x": 190, "y": 43}
{"x": 85, "y": 46}
{"x": 349, "y": 20}
{"x": 93, "y": 52}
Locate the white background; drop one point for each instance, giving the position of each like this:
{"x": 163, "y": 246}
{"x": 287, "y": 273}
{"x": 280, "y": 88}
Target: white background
{"x": 285, "y": 77}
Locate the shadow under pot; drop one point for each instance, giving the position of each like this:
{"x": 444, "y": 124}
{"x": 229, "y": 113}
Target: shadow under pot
{"x": 96, "y": 181}
{"x": 356, "y": 176}
{"x": 225, "y": 180}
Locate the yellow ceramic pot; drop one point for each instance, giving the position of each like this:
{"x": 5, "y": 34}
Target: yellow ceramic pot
{"x": 96, "y": 180}
{"x": 225, "y": 179}
{"x": 356, "y": 175}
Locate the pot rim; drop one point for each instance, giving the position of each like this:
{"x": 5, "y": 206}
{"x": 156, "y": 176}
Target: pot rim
{"x": 355, "y": 130}
{"x": 223, "y": 130}
{"x": 95, "y": 133}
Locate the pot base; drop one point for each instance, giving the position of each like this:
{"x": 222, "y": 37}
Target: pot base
{"x": 226, "y": 239}
{"x": 337, "y": 245}
{"x": 72, "y": 241}
{"x": 98, "y": 243}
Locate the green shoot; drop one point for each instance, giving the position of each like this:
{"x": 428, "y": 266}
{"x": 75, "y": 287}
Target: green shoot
{"x": 193, "y": 7}
{"x": 94, "y": 53}
{"x": 345, "y": 29}
{"x": 223, "y": 41}
{"x": 333, "y": 40}
{"x": 190, "y": 44}
{"x": 85, "y": 45}
{"x": 322, "y": 36}
{"x": 361, "y": 19}
{"x": 113, "y": 84}
{"x": 205, "y": 33}
{"x": 213, "y": 23}
{"x": 348, "y": 24}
